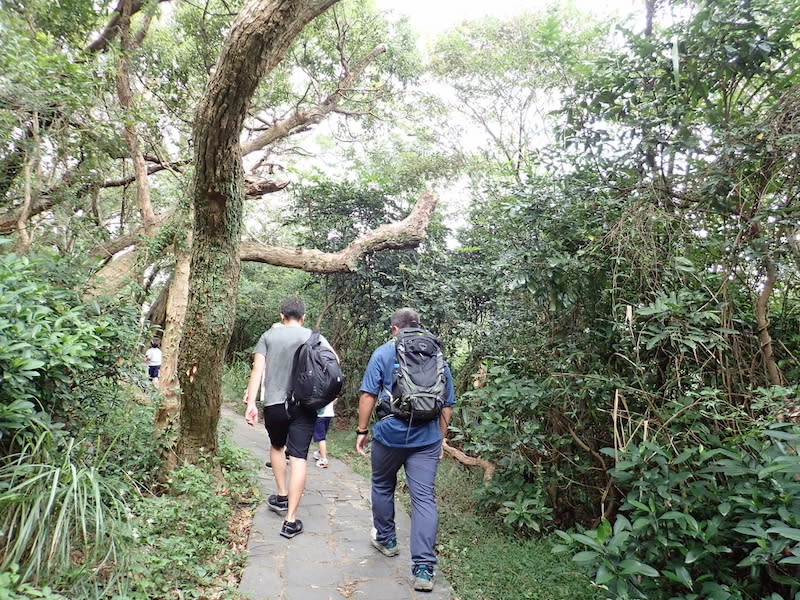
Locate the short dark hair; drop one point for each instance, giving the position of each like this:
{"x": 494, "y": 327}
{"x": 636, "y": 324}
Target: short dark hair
{"x": 405, "y": 317}
{"x": 155, "y": 343}
{"x": 293, "y": 308}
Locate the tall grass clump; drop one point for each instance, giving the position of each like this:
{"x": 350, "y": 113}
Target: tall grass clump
{"x": 61, "y": 521}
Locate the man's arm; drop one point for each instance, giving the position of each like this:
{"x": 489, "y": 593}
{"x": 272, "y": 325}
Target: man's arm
{"x": 251, "y": 413}
{"x": 444, "y": 420}
{"x": 366, "y": 404}
{"x": 447, "y": 410}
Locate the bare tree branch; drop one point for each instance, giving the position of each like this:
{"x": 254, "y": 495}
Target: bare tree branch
{"x": 52, "y": 197}
{"x": 488, "y": 467}
{"x": 302, "y": 119}
{"x": 403, "y": 234}
{"x": 112, "y": 28}
{"x": 128, "y": 104}
{"x": 255, "y": 187}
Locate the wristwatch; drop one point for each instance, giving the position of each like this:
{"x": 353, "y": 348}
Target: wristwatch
{"x": 362, "y": 431}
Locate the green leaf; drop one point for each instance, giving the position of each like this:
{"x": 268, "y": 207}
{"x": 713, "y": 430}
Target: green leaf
{"x": 639, "y": 505}
{"x": 587, "y": 556}
{"x": 787, "y": 532}
{"x": 779, "y": 468}
{"x": 587, "y": 541}
{"x": 604, "y": 531}
{"x": 621, "y": 524}
{"x": 634, "y": 567}
{"x": 685, "y": 578}
{"x": 692, "y": 556}
{"x": 603, "y": 575}
{"x": 783, "y": 435}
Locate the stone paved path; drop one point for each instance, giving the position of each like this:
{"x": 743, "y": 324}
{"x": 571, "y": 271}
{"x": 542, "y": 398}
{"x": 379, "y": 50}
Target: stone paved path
{"x": 332, "y": 559}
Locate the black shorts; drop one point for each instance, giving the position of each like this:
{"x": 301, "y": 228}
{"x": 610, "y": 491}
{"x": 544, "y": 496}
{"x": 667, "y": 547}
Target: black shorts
{"x": 292, "y": 429}
{"x": 153, "y": 370}
{"x": 276, "y": 420}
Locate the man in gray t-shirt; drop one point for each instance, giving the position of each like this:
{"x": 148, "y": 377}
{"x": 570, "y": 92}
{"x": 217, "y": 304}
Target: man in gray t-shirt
{"x": 289, "y": 426}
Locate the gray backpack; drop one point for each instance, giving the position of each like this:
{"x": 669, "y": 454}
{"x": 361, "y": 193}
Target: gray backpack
{"x": 419, "y": 386}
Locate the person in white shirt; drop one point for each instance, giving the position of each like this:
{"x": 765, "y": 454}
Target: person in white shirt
{"x": 153, "y": 359}
{"x": 321, "y": 426}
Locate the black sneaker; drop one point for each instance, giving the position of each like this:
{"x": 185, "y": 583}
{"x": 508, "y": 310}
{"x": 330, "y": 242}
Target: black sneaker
{"x": 289, "y": 530}
{"x": 268, "y": 464}
{"x": 423, "y": 578}
{"x": 278, "y": 504}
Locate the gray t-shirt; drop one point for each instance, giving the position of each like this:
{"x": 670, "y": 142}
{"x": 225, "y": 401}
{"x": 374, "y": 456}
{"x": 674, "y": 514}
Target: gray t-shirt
{"x": 278, "y": 346}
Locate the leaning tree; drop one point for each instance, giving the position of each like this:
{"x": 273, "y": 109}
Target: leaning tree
{"x": 258, "y": 40}
{"x": 89, "y": 139}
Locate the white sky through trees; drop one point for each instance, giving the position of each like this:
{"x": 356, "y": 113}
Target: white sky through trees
{"x": 431, "y": 17}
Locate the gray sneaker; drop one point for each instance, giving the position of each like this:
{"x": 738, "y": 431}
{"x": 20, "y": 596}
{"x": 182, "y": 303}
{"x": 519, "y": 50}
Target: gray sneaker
{"x": 423, "y": 578}
{"x": 389, "y": 548}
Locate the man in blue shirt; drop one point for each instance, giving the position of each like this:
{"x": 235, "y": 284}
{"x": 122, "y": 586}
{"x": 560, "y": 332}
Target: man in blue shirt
{"x": 397, "y": 443}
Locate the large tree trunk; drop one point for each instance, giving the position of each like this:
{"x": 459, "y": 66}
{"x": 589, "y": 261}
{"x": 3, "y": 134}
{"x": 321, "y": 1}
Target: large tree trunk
{"x": 257, "y": 42}
{"x": 168, "y": 415}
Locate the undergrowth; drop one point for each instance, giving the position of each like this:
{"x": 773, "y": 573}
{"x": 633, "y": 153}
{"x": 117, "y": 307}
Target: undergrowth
{"x": 192, "y": 541}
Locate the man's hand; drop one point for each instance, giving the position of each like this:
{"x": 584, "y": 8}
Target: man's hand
{"x": 362, "y": 442}
{"x": 251, "y": 415}
{"x": 251, "y": 393}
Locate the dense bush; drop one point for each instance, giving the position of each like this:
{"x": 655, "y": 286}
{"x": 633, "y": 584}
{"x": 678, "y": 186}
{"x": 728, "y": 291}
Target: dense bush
{"x": 717, "y": 519}
{"x": 53, "y": 346}
{"x": 183, "y": 538}
{"x": 75, "y": 445}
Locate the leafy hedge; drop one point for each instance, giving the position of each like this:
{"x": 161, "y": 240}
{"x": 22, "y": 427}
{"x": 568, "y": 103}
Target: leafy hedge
{"x": 717, "y": 520}
{"x": 53, "y": 345}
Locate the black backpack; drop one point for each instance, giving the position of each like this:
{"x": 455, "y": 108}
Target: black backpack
{"x": 317, "y": 376}
{"x": 419, "y": 388}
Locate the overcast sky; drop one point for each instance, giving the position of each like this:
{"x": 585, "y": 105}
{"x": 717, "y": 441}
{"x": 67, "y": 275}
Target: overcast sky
{"x": 431, "y": 17}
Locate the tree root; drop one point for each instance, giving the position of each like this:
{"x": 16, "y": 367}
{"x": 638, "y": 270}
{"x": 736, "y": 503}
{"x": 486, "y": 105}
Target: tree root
{"x": 488, "y": 467}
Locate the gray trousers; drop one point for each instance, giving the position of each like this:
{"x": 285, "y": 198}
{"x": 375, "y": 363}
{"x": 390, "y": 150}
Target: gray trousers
{"x": 420, "y": 465}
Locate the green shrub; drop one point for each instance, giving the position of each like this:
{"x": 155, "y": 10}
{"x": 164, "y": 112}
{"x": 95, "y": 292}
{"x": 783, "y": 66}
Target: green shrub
{"x": 15, "y": 416}
{"x": 183, "y": 537}
{"x": 13, "y": 588}
{"x": 60, "y": 520}
{"x": 118, "y": 435}
{"x": 502, "y": 423}
{"x": 53, "y": 345}
{"x": 719, "y": 519}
